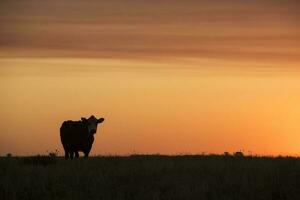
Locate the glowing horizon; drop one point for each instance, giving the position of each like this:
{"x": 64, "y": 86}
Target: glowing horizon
{"x": 187, "y": 77}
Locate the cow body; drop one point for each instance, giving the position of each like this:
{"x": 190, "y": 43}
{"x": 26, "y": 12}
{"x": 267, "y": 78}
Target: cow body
{"x": 78, "y": 136}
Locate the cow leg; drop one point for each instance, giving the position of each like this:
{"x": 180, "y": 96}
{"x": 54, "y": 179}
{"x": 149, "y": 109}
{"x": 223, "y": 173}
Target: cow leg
{"x": 66, "y": 155}
{"x": 71, "y": 154}
{"x": 86, "y": 154}
{"x": 76, "y": 154}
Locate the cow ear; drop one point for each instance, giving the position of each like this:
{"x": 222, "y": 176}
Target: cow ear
{"x": 83, "y": 119}
{"x": 100, "y": 120}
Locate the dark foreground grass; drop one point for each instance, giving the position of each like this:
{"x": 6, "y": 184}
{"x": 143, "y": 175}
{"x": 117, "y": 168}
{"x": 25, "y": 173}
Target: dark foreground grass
{"x": 150, "y": 177}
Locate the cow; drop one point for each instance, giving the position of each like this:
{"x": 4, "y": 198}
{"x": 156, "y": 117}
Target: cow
{"x": 78, "y": 136}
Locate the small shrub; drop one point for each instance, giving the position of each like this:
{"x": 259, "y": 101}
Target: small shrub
{"x": 53, "y": 154}
{"x": 238, "y": 154}
{"x": 226, "y": 153}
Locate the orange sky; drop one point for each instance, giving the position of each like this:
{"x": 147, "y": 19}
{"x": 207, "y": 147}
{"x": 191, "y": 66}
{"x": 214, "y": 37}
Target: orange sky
{"x": 172, "y": 77}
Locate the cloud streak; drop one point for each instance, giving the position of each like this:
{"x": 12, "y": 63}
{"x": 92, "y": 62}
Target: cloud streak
{"x": 232, "y": 30}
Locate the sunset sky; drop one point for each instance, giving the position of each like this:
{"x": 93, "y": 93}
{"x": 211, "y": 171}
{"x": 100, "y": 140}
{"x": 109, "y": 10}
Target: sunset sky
{"x": 169, "y": 77}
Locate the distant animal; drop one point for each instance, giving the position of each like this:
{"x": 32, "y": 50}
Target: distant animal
{"x": 78, "y": 136}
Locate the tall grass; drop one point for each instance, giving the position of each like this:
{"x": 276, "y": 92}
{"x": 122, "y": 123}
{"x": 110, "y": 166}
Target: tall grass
{"x": 151, "y": 177}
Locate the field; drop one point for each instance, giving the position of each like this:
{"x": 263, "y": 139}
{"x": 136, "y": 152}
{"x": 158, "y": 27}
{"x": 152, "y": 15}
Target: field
{"x": 150, "y": 177}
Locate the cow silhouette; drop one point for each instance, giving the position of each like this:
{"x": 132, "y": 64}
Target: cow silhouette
{"x": 78, "y": 135}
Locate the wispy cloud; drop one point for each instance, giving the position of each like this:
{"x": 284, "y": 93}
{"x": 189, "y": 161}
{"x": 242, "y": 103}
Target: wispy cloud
{"x": 233, "y": 30}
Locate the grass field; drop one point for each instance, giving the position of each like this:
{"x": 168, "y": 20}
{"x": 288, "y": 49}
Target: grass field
{"x": 150, "y": 177}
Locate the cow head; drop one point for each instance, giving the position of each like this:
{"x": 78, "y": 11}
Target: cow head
{"x": 92, "y": 122}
